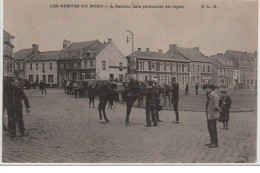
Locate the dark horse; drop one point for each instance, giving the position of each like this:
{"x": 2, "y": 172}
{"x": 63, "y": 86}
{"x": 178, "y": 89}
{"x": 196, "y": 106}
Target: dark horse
{"x": 105, "y": 91}
{"x": 132, "y": 90}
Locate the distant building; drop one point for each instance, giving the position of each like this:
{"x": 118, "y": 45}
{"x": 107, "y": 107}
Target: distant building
{"x": 20, "y": 58}
{"x": 223, "y": 73}
{"x": 243, "y": 62}
{"x": 43, "y": 66}
{"x": 200, "y": 66}
{"x": 148, "y": 64}
{"x": 8, "y": 60}
{"x": 91, "y": 60}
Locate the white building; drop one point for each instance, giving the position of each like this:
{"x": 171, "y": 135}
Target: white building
{"x": 43, "y": 66}
{"x": 8, "y": 60}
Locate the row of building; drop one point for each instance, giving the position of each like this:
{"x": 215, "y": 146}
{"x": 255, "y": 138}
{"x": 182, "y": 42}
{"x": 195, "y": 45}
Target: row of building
{"x": 95, "y": 60}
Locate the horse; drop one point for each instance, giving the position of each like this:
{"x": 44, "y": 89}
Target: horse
{"x": 105, "y": 91}
{"x": 132, "y": 90}
{"x": 167, "y": 89}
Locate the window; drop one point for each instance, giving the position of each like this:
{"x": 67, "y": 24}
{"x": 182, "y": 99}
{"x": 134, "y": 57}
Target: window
{"x": 153, "y": 66}
{"x": 50, "y": 65}
{"x": 145, "y": 78}
{"x": 103, "y": 65}
{"x": 43, "y": 66}
{"x": 65, "y": 65}
{"x": 168, "y": 67}
{"x": 161, "y": 67}
{"x": 50, "y": 78}
{"x": 173, "y": 67}
{"x": 121, "y": 78}
{"x": 16, "y": 65}
{"x": 198, "y": 68}
{"x": 44, "y": 78}
{"x": 36, "y": 66}
{"x": 120, "y": 66}
{"x": 31, "y": 78}
{"x": 30, "y": 66}
{"x": 203, "y": 68}
{"x": 21, "y": 65}
{"x": 179, "y": 67}
{"x": 208, "y": 69}
{"x": 86, "y": 63}
{"x": 83, "y": 75}
{"x": 78, "y": 64}
{"x": 91, "y": 63}
{"x": 141, "y": 66}
{"x": 182, "y": 67}
{"x": 149, "y": 66}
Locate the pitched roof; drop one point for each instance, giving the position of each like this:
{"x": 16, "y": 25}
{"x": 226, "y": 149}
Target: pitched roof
{"x": 23, "y": 54}
{"x": 190, "y": 53}
{"x": 45, "y": 56}
{"x": 239, "y": 54}
{"x": 158, "y": 56}
{"x": 7, "y": 34}
{"x": 216, "y": 62}
{"x": 79, "y": 45}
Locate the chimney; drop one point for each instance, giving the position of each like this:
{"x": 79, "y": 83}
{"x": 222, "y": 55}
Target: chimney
{"x": 196, "y": 48}
{"x": 35, "y": 48}
{"x": 147, "y": 49}
{"x": 139, "y": 49}
{"x": 66, "y": 43}
{"x": 160, "y": 51}
{"x": 110, "y": 40}
{"x": 172, "y": 46}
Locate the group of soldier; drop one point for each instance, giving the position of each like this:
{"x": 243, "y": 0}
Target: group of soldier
{"x": 13, "y": 96}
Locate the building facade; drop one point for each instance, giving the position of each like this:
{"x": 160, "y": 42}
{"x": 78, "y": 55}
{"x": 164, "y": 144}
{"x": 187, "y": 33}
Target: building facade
{"x": 43, "y": 66}
{"x": 200, "y": 66}
{"x": 91, "y": 60}
{"x": 244, "y": 62}
{"x": 148, "y": 64}
{"x": 20, "y": 59}
{"x": 8, "y": 60}
{"x": 223, "y": 73}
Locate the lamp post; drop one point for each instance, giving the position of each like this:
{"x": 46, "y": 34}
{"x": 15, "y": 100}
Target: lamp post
{"x": 132, "y": 38}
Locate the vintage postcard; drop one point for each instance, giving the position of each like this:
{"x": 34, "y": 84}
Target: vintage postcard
{"x": 133, "y": 82}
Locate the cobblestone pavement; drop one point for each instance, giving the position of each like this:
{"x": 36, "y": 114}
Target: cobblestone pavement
{"x": 62, "y": 129}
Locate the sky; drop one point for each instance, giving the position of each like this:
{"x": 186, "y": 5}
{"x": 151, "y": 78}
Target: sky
{"x": 232, "y": 25}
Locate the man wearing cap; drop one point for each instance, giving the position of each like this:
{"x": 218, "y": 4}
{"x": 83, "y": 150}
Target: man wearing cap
{"x": 225, "y": 104}
{"x": 13, "y": 105}
{"x": 150, "y": 105}
{"x": 175, "y": 98}
{"x": 212, "y": 114}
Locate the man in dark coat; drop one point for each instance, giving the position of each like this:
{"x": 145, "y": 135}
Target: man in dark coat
{"x": 175, "y": 98}
{"x": 13, "y": 104}
{"x": 225, "y": 104}
{"x": 187, "y": 87}
{"x": 197, "y": 87}
{"x": 150, "y": 106}
{"x": 42, "y": 86}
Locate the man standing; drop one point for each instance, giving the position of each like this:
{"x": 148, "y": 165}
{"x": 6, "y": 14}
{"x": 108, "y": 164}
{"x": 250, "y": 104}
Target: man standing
{"x": 42, "y": 86}
{"x": 175, "y": 98}
{"x": 13, "y": 105}
{"x": 212, "y": 114}
{"x": 150, "y": 106}
{"x": 187, "y": 87}
{"x": 197, "y": 87}
{"x": 225, "y": 104}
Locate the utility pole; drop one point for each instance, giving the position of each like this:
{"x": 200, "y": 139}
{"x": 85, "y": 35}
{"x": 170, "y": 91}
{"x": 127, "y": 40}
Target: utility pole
{"x": 132, "y": 38}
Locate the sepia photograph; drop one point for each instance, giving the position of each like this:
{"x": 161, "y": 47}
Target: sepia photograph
{"x": 133, "y": 82}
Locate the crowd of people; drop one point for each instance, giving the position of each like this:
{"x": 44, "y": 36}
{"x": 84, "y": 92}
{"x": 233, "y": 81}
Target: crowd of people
{"x": 217, "y": 108}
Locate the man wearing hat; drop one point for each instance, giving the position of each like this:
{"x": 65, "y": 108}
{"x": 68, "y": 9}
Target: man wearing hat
{"x": 13, "y": 104}
{"x": 175, "y": 98}
{"x": 212, "y": 114}
{"x": 150, "y": 105}
{"x": 225, "y": 104}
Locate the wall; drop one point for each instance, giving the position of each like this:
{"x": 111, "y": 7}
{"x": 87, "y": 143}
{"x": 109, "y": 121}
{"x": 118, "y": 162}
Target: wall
{"x": 48, "y": 71}
{"x": 112, "y": 56}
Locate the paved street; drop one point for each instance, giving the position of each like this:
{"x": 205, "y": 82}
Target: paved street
{"x": 62, "y": 129}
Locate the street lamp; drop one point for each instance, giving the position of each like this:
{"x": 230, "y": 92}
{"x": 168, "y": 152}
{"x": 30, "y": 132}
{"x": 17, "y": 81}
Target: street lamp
{"x": 132, "y": 38}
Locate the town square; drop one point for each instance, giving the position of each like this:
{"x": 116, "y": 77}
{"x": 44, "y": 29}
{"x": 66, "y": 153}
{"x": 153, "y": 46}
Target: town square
{"x": 154, "y": 82}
